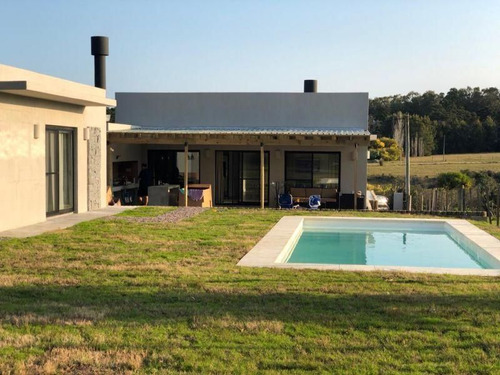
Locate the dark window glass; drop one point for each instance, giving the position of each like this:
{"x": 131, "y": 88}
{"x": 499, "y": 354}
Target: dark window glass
{"x": 312, "y": 169}
{"x": 325, "y": 172}
{"x": 167, "y": 166}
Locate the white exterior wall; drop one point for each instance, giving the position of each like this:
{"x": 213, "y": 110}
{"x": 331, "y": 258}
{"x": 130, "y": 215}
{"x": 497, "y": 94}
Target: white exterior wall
{"x": 22, "y": 157}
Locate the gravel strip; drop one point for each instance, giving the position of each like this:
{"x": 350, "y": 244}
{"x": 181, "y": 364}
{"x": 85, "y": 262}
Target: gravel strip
{"x": 170, "y": 217}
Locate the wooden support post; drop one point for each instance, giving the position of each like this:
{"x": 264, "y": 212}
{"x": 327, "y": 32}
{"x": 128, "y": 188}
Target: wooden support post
{"x": 355, "y": 159}
{"x": 186, "y": 174}
{"x": 262, "y": 177}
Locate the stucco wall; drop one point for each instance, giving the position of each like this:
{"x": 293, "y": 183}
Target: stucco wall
{"x": 22, "y": 158}
{"x": 275, "y": 110}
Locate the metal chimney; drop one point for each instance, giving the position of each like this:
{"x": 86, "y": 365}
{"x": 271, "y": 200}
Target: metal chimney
{"x": 99, "y": 49}
{"x": 310, "y": 85}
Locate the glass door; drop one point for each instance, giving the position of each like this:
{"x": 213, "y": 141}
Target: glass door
{"x": 250, "y": 177}
{"x": 238, "y": 177}
{"x": 59, "y": 170}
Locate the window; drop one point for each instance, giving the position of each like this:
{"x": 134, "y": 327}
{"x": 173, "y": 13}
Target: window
{"x": 312, "y": 169}
{"x": 193, "y": 166}
{"x": 167, "y": 166}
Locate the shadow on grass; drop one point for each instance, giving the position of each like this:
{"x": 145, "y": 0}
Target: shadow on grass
{"x": 52, "y": 304}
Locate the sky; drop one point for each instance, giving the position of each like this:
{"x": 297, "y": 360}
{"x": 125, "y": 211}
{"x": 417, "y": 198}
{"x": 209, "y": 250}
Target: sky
{"x": 383, "y": 47}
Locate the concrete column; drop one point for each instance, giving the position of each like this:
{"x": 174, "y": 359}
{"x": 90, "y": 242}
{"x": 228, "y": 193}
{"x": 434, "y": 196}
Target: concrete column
{"x": 262, "y": 176}
{"x": 186, "y": 173}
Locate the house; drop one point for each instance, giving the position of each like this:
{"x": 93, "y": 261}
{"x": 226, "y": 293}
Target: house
{"x": 249, "y": 147}
{"x": 52, "y": 147}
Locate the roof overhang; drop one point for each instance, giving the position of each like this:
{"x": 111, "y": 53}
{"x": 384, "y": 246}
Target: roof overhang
{"x": 40, "y": 91}
{"x": 119, "y": 133}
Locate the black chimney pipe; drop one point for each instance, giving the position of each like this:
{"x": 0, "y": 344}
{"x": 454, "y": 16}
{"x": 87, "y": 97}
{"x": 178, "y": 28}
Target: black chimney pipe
{"x": 310, "y": 85}
{"x": 99, "y": 49}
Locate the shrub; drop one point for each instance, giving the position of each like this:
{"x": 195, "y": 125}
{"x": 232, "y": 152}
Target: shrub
{"x": 452, "y": 180}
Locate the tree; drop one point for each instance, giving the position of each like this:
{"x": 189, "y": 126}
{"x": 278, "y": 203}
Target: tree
{"x": 385, "y": 149}
{"x": 468, "y": 117}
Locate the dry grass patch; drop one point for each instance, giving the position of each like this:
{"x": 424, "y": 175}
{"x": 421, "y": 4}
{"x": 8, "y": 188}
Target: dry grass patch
{"x": 80, "y": 361}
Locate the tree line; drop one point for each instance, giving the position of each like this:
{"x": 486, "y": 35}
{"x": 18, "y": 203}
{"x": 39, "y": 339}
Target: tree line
{"x": 462, "y": 120}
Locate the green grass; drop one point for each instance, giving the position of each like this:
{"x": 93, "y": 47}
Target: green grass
{"x": 146, "y": 211}
{"x": 431, "y": 166}
{"x": 114, "y": 296}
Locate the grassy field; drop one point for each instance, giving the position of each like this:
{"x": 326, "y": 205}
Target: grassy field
{"x": 431, "y": 166}
{"x": 116, "y": 296}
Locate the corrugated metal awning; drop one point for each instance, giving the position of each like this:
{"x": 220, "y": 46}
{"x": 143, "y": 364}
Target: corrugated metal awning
{"x": 247, "y": 131}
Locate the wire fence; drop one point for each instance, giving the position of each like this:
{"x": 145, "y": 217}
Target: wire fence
{"x": 476, "y": 200}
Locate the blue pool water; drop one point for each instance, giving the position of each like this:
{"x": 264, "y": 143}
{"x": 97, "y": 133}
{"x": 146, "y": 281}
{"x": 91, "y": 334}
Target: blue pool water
{"x": 383, "y": 248}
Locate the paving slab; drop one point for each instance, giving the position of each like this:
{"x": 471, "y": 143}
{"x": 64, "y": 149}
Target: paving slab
{"x": 63, "y": 221}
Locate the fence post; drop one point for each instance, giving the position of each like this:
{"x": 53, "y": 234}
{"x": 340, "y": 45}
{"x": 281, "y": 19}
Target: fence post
{"x": 433, "y": 199}
{"x": 462, "y": 199}
{"x": 488, "y": 206}
{"x": 498, "y": 206}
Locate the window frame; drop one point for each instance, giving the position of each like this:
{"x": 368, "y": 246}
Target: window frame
{"x": 311, "y": 184}
{"x": 153, "y": 151}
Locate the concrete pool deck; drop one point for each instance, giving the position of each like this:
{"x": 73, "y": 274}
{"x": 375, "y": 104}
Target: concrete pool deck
{"x": 273, "y": 249}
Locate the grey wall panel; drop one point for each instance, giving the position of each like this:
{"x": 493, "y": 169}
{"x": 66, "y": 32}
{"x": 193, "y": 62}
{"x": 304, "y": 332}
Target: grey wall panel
{"x": 258, "y": 110}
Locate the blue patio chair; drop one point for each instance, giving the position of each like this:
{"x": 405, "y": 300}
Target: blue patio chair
{"x": 314, "y": 202}
{"x": 285, "y": 201}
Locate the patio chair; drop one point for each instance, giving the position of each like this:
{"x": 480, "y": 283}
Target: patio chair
{"x": 285, "y": 201}
{"x": 314, "y": 202}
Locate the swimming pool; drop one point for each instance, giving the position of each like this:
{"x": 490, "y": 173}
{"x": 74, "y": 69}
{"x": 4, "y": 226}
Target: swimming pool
{"x": 368, "y": 244}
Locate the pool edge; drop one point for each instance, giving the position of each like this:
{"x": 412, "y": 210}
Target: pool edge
{"x": 276, "y": 245}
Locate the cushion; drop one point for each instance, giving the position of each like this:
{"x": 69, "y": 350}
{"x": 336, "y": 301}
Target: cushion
{"x": 312, "y": 191}
{"x": 298, "y": 192}
{"x": 329, "y": 193}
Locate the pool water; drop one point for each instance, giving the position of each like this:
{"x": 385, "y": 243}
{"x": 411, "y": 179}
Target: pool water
{"x": 383, "y": 248}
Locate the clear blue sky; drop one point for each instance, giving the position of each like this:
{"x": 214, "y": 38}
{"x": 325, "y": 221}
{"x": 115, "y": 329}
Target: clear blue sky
{"x": 384, "y": 47}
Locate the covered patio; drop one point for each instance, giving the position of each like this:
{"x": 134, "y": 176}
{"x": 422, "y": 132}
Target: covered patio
{"x": 267, "y": 154}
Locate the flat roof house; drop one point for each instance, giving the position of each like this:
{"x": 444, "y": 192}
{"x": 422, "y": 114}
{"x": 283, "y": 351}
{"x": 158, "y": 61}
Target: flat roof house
{"x": 52, "y": 147}
{"x": 249, "y": 146}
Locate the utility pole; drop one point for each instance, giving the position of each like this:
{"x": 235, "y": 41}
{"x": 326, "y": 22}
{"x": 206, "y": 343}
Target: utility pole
{"x": 407, "y": 160}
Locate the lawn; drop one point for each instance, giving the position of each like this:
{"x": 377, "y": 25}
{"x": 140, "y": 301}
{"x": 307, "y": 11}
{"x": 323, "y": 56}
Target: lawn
{"x": 117, "y": 296}
{"x": 431, "y": 166}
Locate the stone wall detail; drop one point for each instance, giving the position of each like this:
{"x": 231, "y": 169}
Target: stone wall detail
{"x": 94, "y": 168}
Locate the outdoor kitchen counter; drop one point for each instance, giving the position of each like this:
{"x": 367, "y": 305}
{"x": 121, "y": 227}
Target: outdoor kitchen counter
{"x": 125, "y": 187}
{"x": 163, "y": 195}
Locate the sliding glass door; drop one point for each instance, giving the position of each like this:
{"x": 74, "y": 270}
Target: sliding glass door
{"x": 59, "y": 170}
{"x": 238, "y": 177}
